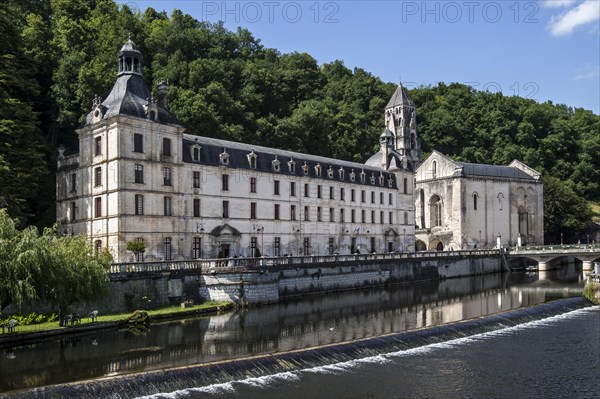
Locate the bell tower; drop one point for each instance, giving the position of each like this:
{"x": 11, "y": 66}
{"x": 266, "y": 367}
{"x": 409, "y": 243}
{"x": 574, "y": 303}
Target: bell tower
{"x": 401, "y": 120}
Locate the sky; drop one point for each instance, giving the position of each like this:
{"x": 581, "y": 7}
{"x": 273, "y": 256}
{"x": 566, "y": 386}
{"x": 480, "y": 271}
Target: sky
{"x": 546, "y": 50}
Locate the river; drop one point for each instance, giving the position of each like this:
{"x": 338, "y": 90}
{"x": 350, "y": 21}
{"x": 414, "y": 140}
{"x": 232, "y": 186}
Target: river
{"x": 503, "y": 335}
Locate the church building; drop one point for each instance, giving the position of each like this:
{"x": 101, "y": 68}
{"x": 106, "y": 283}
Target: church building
{"x": 140, "y": 178}
{"x": 463, "y": 205}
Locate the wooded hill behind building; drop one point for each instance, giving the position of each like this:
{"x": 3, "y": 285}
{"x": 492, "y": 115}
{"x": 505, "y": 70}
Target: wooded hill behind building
{"x": 57, "y": 55}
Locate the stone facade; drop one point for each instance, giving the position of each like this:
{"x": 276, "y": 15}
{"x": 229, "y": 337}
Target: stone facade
{"x": 139, "y": 177}
{"x": 462, "y": 205}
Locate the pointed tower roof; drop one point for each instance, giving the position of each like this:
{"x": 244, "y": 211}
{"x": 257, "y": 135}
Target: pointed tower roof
{"x": 400, "y": 97}
{"x": 130, "y": 95}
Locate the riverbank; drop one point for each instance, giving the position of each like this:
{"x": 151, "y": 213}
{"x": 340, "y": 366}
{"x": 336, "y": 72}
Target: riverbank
{"x": 42, "y": 332}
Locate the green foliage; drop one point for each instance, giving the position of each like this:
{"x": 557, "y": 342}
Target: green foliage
{"x": 58, "y": 269}
{"x": 591, "y": 292}
{"x": 30, "y": 319}
{"x": 135, "y": 246}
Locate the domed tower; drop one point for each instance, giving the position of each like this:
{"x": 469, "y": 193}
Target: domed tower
{"x": 130, "y": 59}
{"x": 401, "y": 120}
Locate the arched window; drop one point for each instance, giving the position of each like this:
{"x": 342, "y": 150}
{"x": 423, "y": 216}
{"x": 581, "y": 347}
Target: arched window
{"x": 435, "y": 211}
{"x": 405, "y": 217}
{"x": 523, "y": 221}
{"x": 434, "y": 169}
{"x": 475, "y": 197}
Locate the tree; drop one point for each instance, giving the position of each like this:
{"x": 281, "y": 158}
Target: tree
{"x": 61, "y": 270}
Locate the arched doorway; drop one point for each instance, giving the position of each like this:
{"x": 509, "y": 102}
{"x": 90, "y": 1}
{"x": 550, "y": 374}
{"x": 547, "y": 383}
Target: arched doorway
{"x": 421, "y": 246}
{"x": 436, "y": 245}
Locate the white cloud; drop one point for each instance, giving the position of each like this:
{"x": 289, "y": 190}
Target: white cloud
{"x": 557, "y": 3}
{"x": 587, "y": 72}
{"x": 584, "y": 13}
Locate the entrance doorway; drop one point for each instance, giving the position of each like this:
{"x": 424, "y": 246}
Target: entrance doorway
{"x": 225, "y": 250}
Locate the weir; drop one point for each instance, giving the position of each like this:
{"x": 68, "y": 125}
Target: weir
{"x": 326, "y": 356}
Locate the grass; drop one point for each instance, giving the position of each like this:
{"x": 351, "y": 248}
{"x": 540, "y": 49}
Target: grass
{"x": 170, "y": 310}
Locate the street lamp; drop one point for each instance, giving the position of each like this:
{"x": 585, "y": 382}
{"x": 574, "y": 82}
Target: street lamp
{"x": 561, "y": 238}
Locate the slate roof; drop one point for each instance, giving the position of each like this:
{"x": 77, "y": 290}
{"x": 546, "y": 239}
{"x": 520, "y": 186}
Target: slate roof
{"x": 400, "y": 97}
{"x": 129, "y": 96}
{"x": 508, "y": 172}
{"x": 210, "y": 148}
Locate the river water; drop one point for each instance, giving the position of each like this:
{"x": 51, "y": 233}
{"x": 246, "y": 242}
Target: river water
{"x": 500, "y": 336}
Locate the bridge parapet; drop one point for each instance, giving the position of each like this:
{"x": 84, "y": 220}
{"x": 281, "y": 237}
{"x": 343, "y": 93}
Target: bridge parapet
{"x": 543, "y": 254}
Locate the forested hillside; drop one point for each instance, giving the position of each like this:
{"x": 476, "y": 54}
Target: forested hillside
{"x": 57, "y": 54}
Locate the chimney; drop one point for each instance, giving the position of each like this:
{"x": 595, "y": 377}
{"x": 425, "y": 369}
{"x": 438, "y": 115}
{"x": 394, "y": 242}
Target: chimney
{"x": 163, "y": 93}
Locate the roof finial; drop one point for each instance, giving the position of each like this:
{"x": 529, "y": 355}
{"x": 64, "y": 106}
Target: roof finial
{"x": 129, "y": 35}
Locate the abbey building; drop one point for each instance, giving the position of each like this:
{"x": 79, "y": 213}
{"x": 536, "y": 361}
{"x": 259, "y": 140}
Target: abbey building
{"x": 140, "y": 178}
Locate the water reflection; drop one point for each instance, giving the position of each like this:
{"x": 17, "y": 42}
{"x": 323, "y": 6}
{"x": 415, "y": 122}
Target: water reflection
{"x": 292, "y": 325}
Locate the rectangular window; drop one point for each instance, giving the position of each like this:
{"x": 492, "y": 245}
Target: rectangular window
{"x": 331, "y": 192}
{"x": 225, "y": 209}
{"x": 331, "y": 245}
{"x": 139, "y": 256}
{"x": 139, "y": 173}
{"x": 97, "y": 176}
{"x": 292, "y": 189}
{"x": 319, "y": 214}
{"x": 306, "y": 213}
{"x": 197, "y": 248}
{"x": 225, "y": 182}
{"x": 196, "y": 179}
{"x": 138, "y": 143}
{"x": 381, "y": 217}
{"x": 276, "y": 212}
{"x": 98, "y": 207}
{"x": 373, "y": 245}
{"x": 292, "y": 212}
{"x": 363, "y": 216}
{"x": 306, "y": 245}
{"x": 352, "y": 216}
{"x": 139, "y": 204}
{"x": 98, "y": 146}
{"x": 331, "y": 215}
{"x": 253, "y": 184}
{"x": 253, "y": 210}
{"x": 277, "y": 246}
{"x": 342, "y": 197}
{"x": 276, "y": 187}
{"x": 390, "y": 199}
{"x": 391, "y": 218}
{"x": 363, "y": 196}
{"x": 167, "y": 248}
{"x": 196, "y": 207}
{"x": 405, "y": 184}
{"x": 166, "y": 147}
{"x": 167, "y": 176}
{"x": 342, "y": 217}
{"x": 253, "y": 246}
{"x": 381, "y": 198}
{"x": 372, "y": 197}
{"x": 73, "y": 183}
{"x": 167, "y": 206}
{"x": 319, "y": 191}
{"x": 73, "y": 215}
{"x": 373, "y": 217}
{"x": 352, "y": 195}
{"x": 306, "y": 190}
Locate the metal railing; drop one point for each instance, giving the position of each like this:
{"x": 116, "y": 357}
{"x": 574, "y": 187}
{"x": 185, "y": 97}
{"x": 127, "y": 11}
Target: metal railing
{"x": 240, "y": 264}
{"x": 558, "y": 247}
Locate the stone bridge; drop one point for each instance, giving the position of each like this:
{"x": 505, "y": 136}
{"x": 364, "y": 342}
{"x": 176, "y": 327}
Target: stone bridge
{"x": 543, "y": 255}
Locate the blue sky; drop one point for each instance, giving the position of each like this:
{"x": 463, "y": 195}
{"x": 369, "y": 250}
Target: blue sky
{"x": 544, "y": 50}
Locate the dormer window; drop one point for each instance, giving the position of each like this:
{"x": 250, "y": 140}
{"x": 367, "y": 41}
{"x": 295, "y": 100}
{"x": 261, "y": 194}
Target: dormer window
{"x": 195, "y": 152}
{"x": 363, "y": 176}
{"x": 372, "y": 178}
{"x": 252, "y": 159}
{"x": 341, "y": 173}
{"x": 292, "y": 165}
{"x": 390, "y": 181}
{"x": 330, "y": 172}
{"x": 318, "y": 170}
{"x": 305, "y": 168}
{"x": 224, "y": 157}
{"x": 352, "y": 175}
{"x": 276, "y": 164}
{"x": 381, "y": 179}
